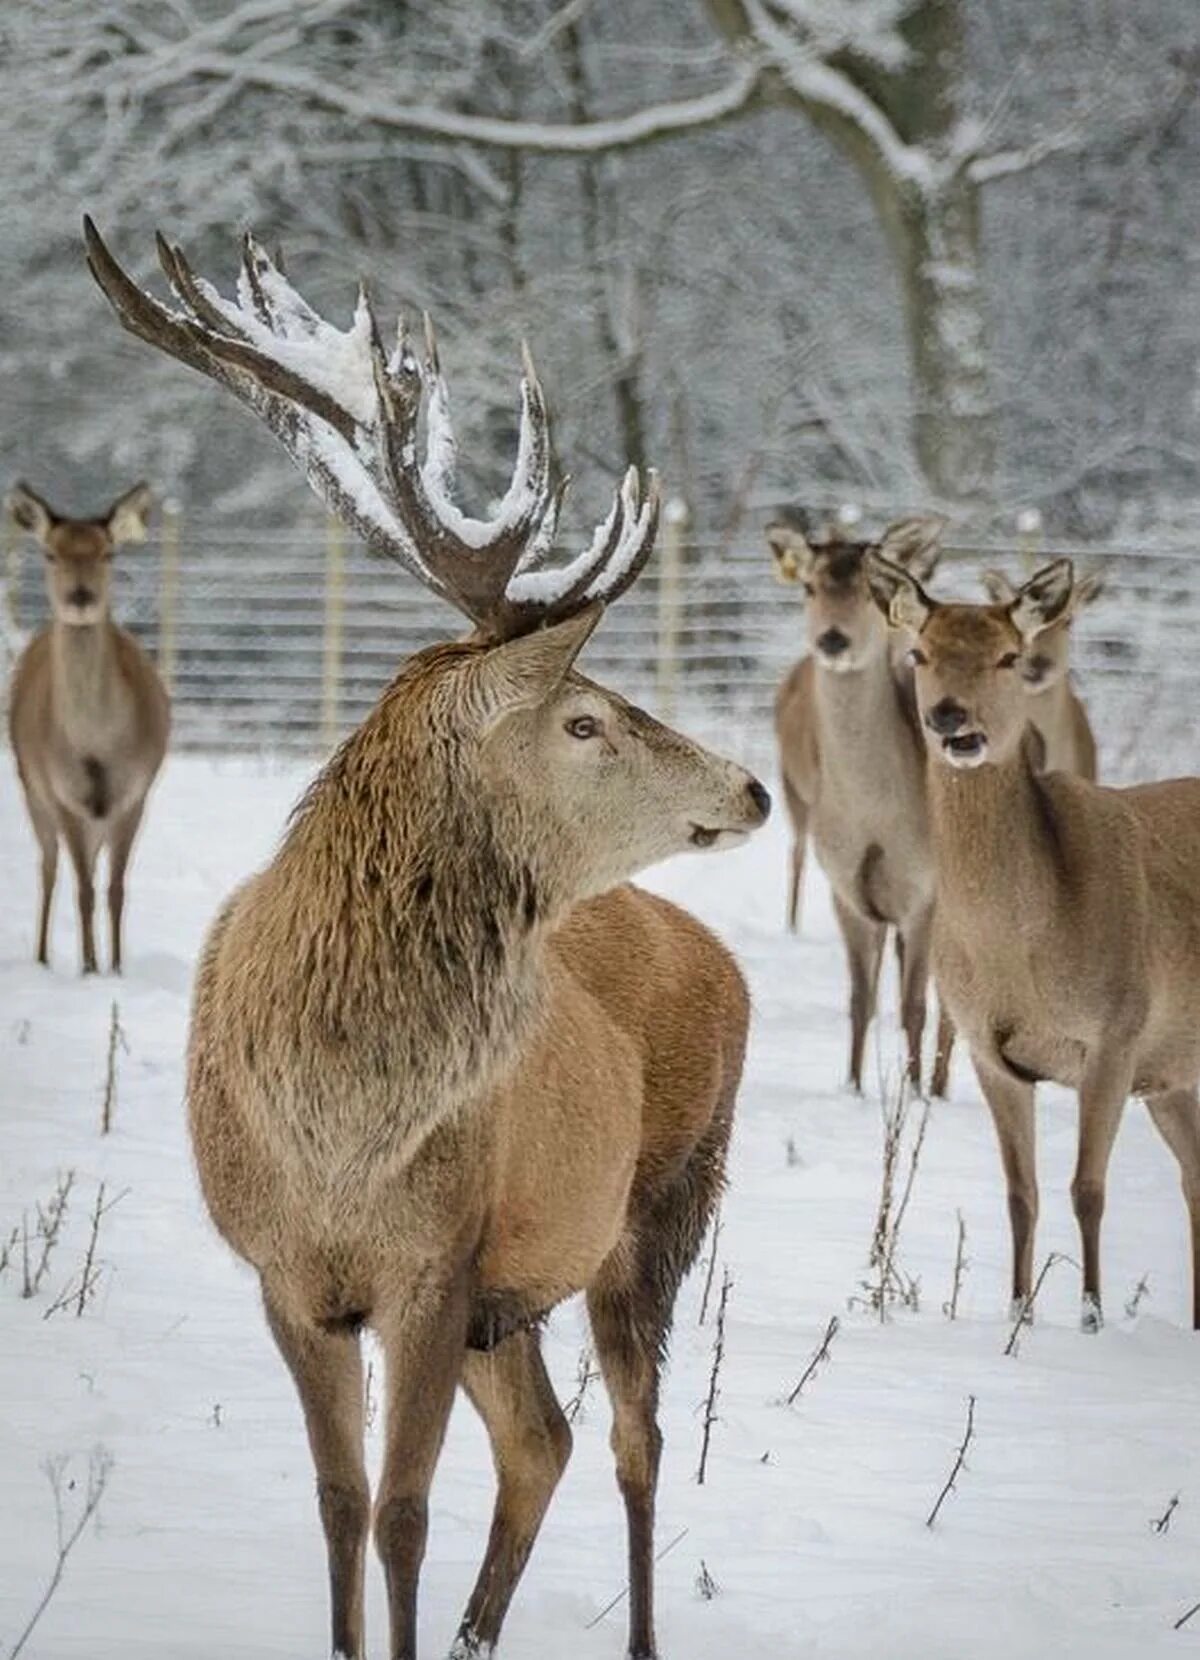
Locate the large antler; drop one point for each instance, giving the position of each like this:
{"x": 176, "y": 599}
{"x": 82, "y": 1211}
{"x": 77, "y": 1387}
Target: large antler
{"x": 347, "y": 414}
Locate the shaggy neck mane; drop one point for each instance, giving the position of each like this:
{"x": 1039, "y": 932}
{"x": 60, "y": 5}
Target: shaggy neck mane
{"x": 415, "y": 919}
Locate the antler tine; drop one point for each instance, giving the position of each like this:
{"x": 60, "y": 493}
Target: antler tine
{"x": 630, "y": 560}
{"x": 191, "y": 291}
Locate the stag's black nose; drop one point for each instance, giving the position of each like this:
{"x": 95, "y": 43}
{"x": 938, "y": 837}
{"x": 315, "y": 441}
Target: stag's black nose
{"x": 80, "y": 596}
{"x": 833, "y": 642}
{"x": 760, "y": 797}
{"x": 946, "y": 717}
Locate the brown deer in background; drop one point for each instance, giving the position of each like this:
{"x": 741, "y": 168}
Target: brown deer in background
{"x": 1054, "y": 707}
{"x": 444, "y": 1069}
{"x": 854, "y": 772}
{"x": 88, "y": 715}
{"x": 1067, "y": 927}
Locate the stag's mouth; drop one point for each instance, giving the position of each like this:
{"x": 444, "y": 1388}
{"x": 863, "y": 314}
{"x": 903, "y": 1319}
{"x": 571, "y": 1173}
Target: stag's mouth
{"x": 709, "y": 835}
{"x": 965, "y": 749}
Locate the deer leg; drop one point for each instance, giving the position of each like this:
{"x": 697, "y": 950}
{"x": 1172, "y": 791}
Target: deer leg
{"x": 83, "y": 848}
{"x": 939, "y": 1083}
{"x": 46, "y": 831}
{"x": 1011, "y": 1102}
{"x": 531, "y": 1443}
{"x": 1176, "y": 1115}
{"x": 1107, "y": 1080}
{"x": 864, "y": 950}
{"x": 327, "y": 1367}
{"x": 119, "y": 849}
{"x": 912, "y": 950}
{"x": 798, "y": 813}
{"x": 424, "y": 1337}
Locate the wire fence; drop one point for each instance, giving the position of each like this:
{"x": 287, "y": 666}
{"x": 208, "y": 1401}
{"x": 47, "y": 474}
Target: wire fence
{"x": 284, "y": 642}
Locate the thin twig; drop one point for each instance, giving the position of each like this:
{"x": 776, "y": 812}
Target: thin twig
{"x": 959, "y": 1462}
{"x": 1025, "y": 1313}
{"x": 49, "y": 1226}
{"x": 80, "y": 1295}
{"x": 710, "y": 1404}
{"x": 624, "y": 1591}
{"x": 950, "y": 1309}
{"x": 1161, "y": 1524}
{"x": 116, "y": 1035}
{"x": 1184, "y": 1618}
{"x": 585, "y": 1375}
{"x": 820, "y": 1354}
{"x": 99, "y": 1467}
{"x": 712, "y": 1265}
{"x": 1140, "y": 1292}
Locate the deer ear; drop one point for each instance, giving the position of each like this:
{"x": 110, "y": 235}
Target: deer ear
{"x": 127, "y": 518}
{"x": 1087, "y": 590}
{"x": 915, "y": 543}
{"x": 30, "y": 512}
{"x": 793, "y": 556}
{"x": 898, "y": 595}
{"x": 998, "y": 588}
{"x": 524, "y": 672}
{"x": 1043, "y": 599}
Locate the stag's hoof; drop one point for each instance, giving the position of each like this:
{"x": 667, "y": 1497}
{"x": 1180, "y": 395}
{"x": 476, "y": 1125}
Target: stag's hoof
{"x": 1091, "y": 1319}
{"x": 467, "y": 1646}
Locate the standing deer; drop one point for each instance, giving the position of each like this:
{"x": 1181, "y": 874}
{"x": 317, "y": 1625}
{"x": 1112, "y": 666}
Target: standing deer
{"x": 444, "y": 1069}
{"x": 88, "y": 715}
{"x": 853, "y": 772}
{"x": 1067, "y": 928}
{"x": 1054, "y": 707}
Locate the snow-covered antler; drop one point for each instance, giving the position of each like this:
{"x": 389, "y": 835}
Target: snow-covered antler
{"x": 347, "y": 414}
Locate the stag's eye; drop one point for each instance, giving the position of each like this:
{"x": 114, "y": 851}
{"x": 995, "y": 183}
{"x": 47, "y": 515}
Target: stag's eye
{"x": 584, "y": 726}
{"x": 1009, "y": 660}
{"x": 915, "y": 657}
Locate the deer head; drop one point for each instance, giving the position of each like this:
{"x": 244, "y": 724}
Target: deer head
{"x": 78, "y": 552}
{"x": 967, "y": 658}
{"x": 609, "y": 789}
{"x": 843, "y": 625}
{"x": 1049, "y": 661}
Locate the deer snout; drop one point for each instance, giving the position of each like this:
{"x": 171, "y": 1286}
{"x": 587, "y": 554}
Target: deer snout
{"x": 833, "y": 642}
{"x": 761, "y": 797}
{"x": 81, "y": 596}
{"x": 946, "y": 717}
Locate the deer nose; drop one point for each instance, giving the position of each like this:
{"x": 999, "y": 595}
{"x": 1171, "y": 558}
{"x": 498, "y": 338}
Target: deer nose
{"x": 80, "y": 596}
{"x": 833, "y": 642}
{"x": 761, "y": 799}
{"x": 946, "y": 717}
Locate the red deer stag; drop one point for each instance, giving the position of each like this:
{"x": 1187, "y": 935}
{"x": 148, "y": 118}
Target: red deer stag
{"x": 88, "y": 715}
{"x": 445, "y": 1070}
{"x": 1054, "y": 707}
{"x": 853, "y": 771}
{"x": 1067, "y": 926}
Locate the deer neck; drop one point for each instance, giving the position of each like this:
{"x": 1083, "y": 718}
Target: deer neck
{"x": 861, "y": 717}
{"x": 995, "y": 839}
{"x": 83, "y": 676}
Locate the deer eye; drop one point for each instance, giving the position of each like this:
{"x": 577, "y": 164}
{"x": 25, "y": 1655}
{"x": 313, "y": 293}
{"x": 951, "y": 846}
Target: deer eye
{"x": 584, "y": 726}
{"x": 1009, "y": 660}
{"x": 915, "y": 657}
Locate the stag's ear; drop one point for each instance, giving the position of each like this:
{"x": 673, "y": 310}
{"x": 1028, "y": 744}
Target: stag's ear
{"x": 30, "y": 512}
{"x": 524, "y": 672}
{"x": 1043, "y": 599}
{"x": 1087, "y": 590}
{"x": 127, "y": 518}
{"x": 998, "y": 588}
{"x": 915, "y": 543}
{"x": 898, "y": 595}
{"x": 794, "y": 558}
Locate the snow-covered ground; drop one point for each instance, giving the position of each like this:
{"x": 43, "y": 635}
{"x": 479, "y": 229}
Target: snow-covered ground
{"x": 812, "y": 1520}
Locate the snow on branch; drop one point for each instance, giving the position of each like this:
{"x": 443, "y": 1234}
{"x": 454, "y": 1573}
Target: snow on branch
{"x": 1001, "y": 164}
{"x": 564, "y": 138}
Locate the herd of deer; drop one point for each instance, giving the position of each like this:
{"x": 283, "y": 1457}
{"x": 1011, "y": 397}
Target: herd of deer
{"x": 446, "y": 1067}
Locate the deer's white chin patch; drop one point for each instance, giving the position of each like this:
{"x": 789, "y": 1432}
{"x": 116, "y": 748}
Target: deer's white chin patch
{"x": 965, "y": 749}
{"x": 834, "y": 665}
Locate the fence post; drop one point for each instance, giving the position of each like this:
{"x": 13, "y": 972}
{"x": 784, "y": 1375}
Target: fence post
{"x": 676, "y": 518}
{"x": 168, "y": 590}
{"x": 1029, "y": 537}
{"x": 331, "y": 665}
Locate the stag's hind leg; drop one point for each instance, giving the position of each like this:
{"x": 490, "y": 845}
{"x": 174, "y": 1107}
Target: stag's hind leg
{"x": 327, "y": 1367}
{"x": 531, "y": 1443}
{"x": 631, "y": 1305}
{"x": 1176, "y": 1113}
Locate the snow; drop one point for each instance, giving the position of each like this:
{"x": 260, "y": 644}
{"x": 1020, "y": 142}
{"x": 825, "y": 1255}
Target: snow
{"x": 812, "y": 1519}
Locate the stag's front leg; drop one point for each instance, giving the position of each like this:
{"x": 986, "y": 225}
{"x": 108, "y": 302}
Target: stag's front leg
{"x": 327, "y": 1368}
{"x": 1012, "y": 1103}
{"x": 424, "y": 1337}
{"x": 1107, "y": 1080}
{"x": 914, "y": 979}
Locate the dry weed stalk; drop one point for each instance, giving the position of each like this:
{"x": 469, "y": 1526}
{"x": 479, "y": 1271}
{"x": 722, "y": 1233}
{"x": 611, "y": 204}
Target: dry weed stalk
{"x": 1137, "y": 1297}
{"x": 1025, "y": 1312}
{"x": 820, "y": 1356}
{"x": 712, "y": 1266}
{"x": 891, "y": 1284}
{"x": 706, "y": 1585}
{"x": 80, "y": 1293}
{"x": 585, "y": 1375}
{"x": 959, "y": 1463}
{"x": 624, "y": 1591}
{"x": 99, "y": 1468}
{"x": 116, "y": 1035}
{"x": 1162, "y": 1524}
{"x": 714, "y": 1377}
{"x": 961, "y": 1264}
{"x": 47, "y": 1228}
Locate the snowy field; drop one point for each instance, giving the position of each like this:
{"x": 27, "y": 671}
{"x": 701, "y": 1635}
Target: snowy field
{"x": 812, "y": 1520}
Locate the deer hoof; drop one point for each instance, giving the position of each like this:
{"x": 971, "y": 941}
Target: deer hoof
{"x": 1091, "y": 1319}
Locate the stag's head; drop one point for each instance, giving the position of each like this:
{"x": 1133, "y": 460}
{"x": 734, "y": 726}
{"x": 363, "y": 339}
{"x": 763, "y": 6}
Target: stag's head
{"x": 78, "y": 552}
{"x": 843, "y": 625}
{"x": 610, "y": 789}
{"x": 967, "y": 659}
{"x": 1049, "y": 660}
